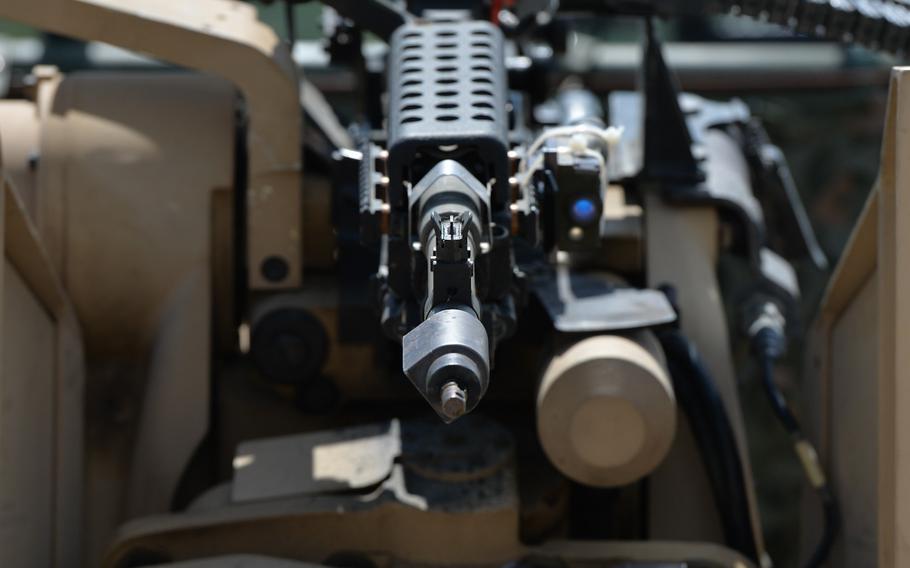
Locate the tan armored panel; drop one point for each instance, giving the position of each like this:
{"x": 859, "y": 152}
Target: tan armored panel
{"x": 226, "y": 39}
{"x": 858, "y": 379}
{"x": 41, "y": 399}
{"x": 134, "y": 176}
{"x": 19, "y": 140}
{"x": 132, "y": 200}
{"x": 606, "y": 413}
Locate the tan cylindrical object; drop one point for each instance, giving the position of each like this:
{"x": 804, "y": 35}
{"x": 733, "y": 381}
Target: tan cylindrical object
{"x": 606, "y": 413}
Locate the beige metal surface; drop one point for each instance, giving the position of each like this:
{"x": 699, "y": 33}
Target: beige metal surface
{"x": 127, "y": 208}
{"x": 894, "y": 329}
{"x": 581, "y": 553}
{"x": 382, "y": 526}
{"x": 41, "y": 403}
{"x": 852, "y": 458}
{"x": 26, "y": 434}
{"x": 125, "y": 201}
{"x": 682, "y": 248}
{"x": 174, "y": 415}
{"x": 224, "y": 38}
{"x": 394, "y": 535}
{"x": 19, "y": 128}
{"x": 345, "y": 459}
{"x": 843, "y": 408}
{"x": 862, "y": 364}
{"x": 606, "y": 414}
{"x": 466, "y": 516}
{"x": 241, "y": 561}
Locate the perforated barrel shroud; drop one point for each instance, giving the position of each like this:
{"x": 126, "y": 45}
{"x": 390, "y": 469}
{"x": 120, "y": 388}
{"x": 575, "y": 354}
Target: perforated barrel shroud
{"x": 447, "y": 88}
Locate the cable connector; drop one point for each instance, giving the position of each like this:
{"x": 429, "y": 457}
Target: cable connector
{"x": 766, "y": 329}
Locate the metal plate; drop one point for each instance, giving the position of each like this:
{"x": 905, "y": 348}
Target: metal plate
{"x": 307, "y": 464}
{"x": 586, "y": 303}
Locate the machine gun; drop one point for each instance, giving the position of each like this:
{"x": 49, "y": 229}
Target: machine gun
{"x": 474, "y": 209}
{"x": 460, "y": 180}
{"x": 442, "y": 190}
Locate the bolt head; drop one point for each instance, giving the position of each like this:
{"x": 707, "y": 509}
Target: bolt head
{"x": 453, "y": 401}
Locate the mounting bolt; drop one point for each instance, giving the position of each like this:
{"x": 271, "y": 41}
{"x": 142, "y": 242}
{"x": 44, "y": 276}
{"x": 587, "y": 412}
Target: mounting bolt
{"x": 380, "y": 161}
{"x": 514, "y": 161}
{"x": 453, "y": 400}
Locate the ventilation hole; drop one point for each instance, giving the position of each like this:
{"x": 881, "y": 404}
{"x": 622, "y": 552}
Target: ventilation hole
{"x": 411, "y": 35}
{"x": 483, "y": 117}
{"x": 481, "y": 104}
{"x": 447, "y": 117}
{"x": 481, "y": 44}
{"x": 447, "y": 69}
{"x": 410, "y": 46}
{"x": 480, "y": 33}
{"x": 446, "y": 106}
{"x": 446, "y": 81}
{"x": 411, "y": 94}
{"x": 410, "y": 70}
{"x": 446, "y": 93}
{"x": 412, "y": 106}
{"x": 411, "y": 59}
{"x": 482, "y": 67}
{"x": 486, "y": 56}
{"x": 482, "y": 80}
{"x": 411, "y": 83}
{"x": 446, "y": 33}
{"x": 446, "y": 45}
{"x": 410, "y": 119}
{"x": 482, "y": 93}
{"x": 446, "y": 57}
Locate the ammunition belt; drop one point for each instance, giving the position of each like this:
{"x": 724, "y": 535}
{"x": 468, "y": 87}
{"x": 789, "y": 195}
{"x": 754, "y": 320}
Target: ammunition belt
{"x": 877, "y": 24}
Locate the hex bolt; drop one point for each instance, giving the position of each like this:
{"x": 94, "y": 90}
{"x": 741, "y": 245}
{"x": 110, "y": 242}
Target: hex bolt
{"x": 453, "y": 400}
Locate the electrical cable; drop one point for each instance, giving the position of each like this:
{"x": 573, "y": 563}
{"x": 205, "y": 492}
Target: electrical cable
{"x": 707, "y": 417}
{"x": 768, "y": 345}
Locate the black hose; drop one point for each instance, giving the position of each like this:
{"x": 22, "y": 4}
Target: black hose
{"x": 768, "y": 345}
{"x": 707, "y": 417}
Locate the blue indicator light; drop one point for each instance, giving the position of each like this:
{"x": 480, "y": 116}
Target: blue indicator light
{"x": 584, "y": 211}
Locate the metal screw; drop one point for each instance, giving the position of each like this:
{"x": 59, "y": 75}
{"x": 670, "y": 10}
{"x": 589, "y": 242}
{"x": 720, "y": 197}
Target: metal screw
{"x": 453, "y": 400}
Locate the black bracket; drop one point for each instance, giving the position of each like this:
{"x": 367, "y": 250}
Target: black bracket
{"x": 667, "y": 141}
